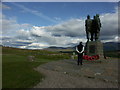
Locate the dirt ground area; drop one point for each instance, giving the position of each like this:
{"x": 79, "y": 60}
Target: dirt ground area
{"x": 67, "y": 74}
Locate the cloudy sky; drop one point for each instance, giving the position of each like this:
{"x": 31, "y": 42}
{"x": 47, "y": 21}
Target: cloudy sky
{"x": 37, "y": 25}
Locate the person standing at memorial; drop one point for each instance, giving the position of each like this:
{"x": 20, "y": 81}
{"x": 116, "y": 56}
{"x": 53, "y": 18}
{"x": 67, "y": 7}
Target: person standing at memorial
{"x": 80, "y": 50}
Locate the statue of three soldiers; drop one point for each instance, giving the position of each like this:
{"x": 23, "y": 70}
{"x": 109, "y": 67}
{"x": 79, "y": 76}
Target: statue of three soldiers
{"x": 93, "y": 27}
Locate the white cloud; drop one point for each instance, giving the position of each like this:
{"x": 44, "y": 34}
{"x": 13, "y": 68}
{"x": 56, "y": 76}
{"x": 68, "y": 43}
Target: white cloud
{"x": 39, "y": 31}
{"x": 109, "y": 25}
{"x": 63, "y": 34}
{"x": 71, "y": 28}
{"x": 10, "y": 26}
{"x": 117, "y": 38}
{"x": 23, "y": 34}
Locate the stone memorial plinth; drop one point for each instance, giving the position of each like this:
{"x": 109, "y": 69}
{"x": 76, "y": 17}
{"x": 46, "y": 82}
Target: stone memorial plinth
{"x": 94, "y": 48}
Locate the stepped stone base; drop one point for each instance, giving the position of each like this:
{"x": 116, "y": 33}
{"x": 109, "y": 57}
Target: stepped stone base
{"x": 94, "y": 48}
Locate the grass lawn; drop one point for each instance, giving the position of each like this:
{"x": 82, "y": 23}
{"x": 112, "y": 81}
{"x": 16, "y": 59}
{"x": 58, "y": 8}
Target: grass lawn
{"x": 18, "y": 72}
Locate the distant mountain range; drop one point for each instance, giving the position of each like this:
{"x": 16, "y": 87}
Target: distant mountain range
{"x": 108, "y": 46}
{"x": 111, "y": 46}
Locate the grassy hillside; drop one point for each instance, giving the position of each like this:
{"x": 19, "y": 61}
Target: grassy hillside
{"x": 18, "y": 71}
{"x": 114, "y": 54}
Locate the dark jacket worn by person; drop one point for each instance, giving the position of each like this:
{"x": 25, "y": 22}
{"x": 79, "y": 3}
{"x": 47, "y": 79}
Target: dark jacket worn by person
{"x": 80, "y": 49}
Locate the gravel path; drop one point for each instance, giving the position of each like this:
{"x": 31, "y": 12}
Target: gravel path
{"x": 67, "y": 74}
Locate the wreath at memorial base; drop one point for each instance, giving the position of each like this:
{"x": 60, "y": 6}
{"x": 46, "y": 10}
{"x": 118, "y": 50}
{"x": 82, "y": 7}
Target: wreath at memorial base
{"x": 91, "y": 58}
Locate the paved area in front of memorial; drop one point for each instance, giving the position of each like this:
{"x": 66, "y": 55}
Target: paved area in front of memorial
{"x": 67, "y": 74}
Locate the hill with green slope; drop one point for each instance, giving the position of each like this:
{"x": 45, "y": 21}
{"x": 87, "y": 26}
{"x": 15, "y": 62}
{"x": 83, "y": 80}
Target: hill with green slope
{"x": 18, "y": 71}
